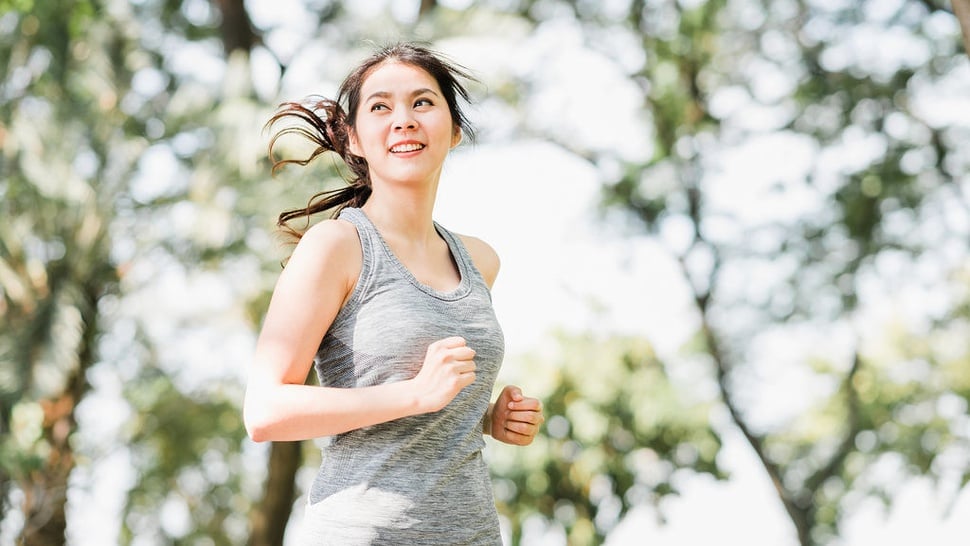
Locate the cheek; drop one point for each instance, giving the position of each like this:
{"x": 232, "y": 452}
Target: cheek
{"x": 365, "y": 138}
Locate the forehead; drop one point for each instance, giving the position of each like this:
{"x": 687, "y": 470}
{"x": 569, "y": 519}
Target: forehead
{"x": 391, "y": 76}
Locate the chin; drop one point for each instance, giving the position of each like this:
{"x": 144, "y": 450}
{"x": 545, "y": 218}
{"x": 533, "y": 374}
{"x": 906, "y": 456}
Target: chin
{"x": 410, "y": 176}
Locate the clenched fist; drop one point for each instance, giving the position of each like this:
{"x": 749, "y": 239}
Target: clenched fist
{"x": 515, "y": 419}
{"x": 449, "y": 366}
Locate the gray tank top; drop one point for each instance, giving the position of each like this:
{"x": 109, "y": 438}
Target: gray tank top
{"x": 421, "y": 479}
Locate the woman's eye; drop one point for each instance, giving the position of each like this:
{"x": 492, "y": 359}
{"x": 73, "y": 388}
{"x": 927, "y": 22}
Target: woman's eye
{"x": 423, "y": 102}
{"x": 378, "y": 106}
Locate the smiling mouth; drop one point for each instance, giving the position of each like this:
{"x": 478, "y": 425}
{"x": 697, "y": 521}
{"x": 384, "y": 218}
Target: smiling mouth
{"x": 403, "y": 148}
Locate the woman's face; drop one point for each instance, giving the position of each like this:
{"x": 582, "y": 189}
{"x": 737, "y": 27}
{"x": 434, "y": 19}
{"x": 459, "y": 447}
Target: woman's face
{"x": 403, "y": 125}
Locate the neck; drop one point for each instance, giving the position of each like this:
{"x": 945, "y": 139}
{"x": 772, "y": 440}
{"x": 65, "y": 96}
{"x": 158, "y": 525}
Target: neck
{"x": 402, "y": 212}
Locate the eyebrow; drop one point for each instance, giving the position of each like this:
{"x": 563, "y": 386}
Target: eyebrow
{"x": 415, "y": 93}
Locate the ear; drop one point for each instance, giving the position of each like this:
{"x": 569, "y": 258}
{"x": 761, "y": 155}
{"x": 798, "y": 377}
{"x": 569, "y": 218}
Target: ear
{"x": 352, "y": 143}
{"x": 456, "y": 136}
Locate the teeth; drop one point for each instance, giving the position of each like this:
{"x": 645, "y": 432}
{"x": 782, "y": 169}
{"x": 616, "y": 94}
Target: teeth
{"x": 407, "y": 147}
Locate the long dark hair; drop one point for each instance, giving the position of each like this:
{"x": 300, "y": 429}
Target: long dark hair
{"x": 327, "y": 124}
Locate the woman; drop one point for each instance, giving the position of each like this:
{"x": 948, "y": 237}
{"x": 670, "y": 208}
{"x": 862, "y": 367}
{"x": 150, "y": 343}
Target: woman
{"x": 395, "y": 314}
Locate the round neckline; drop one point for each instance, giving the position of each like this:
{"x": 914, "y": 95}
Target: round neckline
{"x": 460, "y": 291}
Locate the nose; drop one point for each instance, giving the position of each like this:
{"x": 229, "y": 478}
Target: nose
{"x": 405, "y": 121}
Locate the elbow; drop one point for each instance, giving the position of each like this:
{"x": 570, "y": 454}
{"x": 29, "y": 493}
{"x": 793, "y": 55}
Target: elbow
{"x": 258, "y": 432}
{"x": 257, "y": 425}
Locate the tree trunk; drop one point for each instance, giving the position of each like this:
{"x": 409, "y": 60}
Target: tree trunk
{"x": 268, "y": 522}
{"x": 961, "y": 8}
{"x": 237, "y": 28}
{"x": 426, "y": 7}
{"x": 45, "y": 489}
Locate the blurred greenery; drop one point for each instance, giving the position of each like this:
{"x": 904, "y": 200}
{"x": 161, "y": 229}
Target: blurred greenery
{"x": 137, "y": 253}
{"x": 617, "y": 432}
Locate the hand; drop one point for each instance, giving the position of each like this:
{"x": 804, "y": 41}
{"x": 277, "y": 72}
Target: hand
{"x": 515, "y": 419}
{"x": 448, "y": 368}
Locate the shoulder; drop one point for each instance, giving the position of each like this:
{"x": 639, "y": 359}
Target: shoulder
{"x": 328, "y": 250}
{"x": 484, "y": 257}
{"x": 331, "y": 233}
{"x": 329, "y": 237}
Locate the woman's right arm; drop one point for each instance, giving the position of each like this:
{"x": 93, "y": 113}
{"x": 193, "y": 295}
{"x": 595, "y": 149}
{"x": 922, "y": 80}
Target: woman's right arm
{"x": 314, "y": 285}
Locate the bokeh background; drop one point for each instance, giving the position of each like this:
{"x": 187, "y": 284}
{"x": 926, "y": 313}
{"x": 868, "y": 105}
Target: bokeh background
{"x": 735, "y": 262}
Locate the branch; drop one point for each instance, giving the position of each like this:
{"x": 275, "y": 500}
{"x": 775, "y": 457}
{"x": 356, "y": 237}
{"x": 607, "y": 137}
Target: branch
{"x": 797, "y": 510}
{"x": 755, "y": 440}
{"x": 702, "y": 299}
{"x": 848, "y": 440}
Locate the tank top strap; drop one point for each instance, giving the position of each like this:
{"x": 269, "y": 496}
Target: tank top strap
{"x": 370, "y": 241}
{"x": 466, "y": 265}
{"x": 368, "y": 235}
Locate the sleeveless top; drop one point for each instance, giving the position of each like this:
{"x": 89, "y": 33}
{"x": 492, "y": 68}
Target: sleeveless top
{"x": 420, "y": 479}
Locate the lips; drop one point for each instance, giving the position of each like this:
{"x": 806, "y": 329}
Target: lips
{"x": 404, "y": 147}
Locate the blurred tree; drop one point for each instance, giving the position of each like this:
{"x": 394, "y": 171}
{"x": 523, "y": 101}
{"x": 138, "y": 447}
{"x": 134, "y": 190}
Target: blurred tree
{"x": 185, "y": 449}
{"x": 218, "y": 216}
{"x": 618, "y": 435}
{"x": 94, "y": 104}
{"x": 60, "y": 169}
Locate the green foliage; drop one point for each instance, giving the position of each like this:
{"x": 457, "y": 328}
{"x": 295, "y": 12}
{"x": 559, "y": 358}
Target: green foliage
{"x": 94, "y": 104}
{"x": 911, "y": 398}
{"x": 18, "y": 6}
{"x": 186, "y": 453}
{"x": 617, "y": 433}
{"x": 54, "y": 241}
{"x": 73, "y": 132}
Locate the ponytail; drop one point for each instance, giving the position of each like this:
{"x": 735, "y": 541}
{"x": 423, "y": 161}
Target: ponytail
{"x": 330, "y": 133}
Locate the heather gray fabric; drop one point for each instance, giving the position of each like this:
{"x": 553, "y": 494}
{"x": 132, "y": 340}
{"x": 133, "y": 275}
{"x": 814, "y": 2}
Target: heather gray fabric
{"x": 419, "y": 480}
